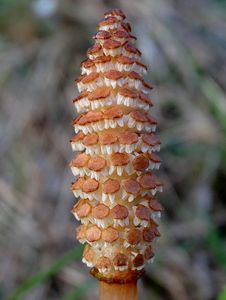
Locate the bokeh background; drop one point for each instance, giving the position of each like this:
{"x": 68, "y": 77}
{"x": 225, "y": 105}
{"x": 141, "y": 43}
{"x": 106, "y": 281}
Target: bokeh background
{"x": 42, "y": 43}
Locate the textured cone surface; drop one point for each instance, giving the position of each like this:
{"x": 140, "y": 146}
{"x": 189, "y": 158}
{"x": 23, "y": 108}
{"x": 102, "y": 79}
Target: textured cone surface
{"x": 115, "y": 156}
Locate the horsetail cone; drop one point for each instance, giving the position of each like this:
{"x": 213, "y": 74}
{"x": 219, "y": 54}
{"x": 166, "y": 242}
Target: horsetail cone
{"x": 114, "y": 167}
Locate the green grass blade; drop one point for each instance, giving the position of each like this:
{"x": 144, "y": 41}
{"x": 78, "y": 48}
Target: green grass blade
{"x": 222, "y": 295}
{"x": 217, "y": 246}
{"x": 45, "y": 275}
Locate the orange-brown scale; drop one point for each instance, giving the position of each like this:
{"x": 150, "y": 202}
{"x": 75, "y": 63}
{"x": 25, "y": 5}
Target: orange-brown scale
{"x": 112, "y": 48}
{"x": 88, "y": 66}
{"x": 115, "y": 13}
{"x": 81, "y": 209}
{"x": 108, "y": 23}
{"x": 94, "y": 51}
{"x": 110, "y": 235}
{"x": 104, "y": 63}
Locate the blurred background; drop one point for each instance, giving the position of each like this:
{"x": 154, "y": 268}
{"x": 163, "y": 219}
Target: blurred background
{"x": 42, "y": 43}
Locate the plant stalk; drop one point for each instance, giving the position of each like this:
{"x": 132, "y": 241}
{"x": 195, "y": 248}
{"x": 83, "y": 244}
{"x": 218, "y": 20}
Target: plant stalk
{"x": 117, "y": 291}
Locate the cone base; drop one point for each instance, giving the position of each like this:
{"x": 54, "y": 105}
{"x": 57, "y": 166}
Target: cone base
{"x": 118, "y": 277}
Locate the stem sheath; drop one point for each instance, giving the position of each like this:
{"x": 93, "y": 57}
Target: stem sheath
{"x": 116, "y": 291}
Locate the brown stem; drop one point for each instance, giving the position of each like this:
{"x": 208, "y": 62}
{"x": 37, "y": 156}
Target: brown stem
{"x": 117, "y": 291}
